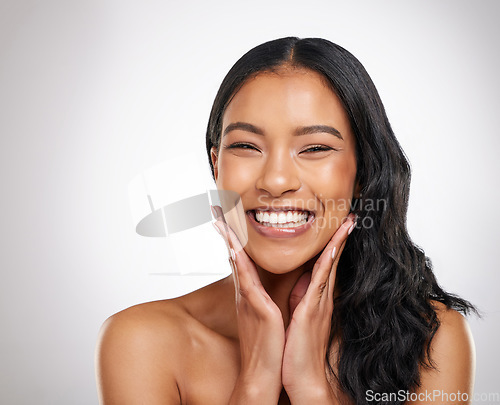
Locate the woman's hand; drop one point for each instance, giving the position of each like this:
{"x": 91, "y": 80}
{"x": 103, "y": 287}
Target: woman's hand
{"x": 260, "y": 327}
{"x": 304, "y": 371}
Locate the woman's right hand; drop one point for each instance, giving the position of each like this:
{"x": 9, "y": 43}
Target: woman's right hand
{"x": 260, "y": 327}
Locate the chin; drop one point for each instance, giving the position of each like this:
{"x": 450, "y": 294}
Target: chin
{"x": 280, "y": 262}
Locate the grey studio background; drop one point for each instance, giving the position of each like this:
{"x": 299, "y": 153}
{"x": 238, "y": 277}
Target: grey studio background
{"x": 94, "y": 93}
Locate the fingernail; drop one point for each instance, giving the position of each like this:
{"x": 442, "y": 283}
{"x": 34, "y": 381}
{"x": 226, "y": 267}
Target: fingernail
{"x": 233, "y": 255}
{"x": 333, "y": 252}
{"x": 217, "y": 228}
{"x": 214, "y": 213}
{"x": 351, "y": 228}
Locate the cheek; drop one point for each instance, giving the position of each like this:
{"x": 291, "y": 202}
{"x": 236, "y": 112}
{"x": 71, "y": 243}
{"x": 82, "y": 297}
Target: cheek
{"x": 334, "y": 186}
{"x": 233, "y": 173}
{"x": 334, "y": 181}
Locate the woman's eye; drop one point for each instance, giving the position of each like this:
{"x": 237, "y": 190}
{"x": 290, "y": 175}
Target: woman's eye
{"x": 240, "y": 145}
{"x": 317, "y": 148}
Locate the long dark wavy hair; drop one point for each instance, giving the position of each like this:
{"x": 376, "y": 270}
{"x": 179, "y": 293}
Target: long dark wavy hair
{"x": 384, "y": 316}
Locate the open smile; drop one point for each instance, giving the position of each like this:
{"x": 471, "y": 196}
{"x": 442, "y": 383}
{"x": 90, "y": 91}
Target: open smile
{"x": 282, "y": 222}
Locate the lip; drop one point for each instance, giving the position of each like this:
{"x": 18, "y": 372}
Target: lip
{"x": 271, "y": 232}
{"x": 283, "y": 208}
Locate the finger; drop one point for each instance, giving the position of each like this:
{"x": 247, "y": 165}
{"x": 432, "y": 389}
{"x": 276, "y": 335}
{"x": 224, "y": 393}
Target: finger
{"x": 236, "y": 218}
{"x": 333, "y": 273}
{"x": 243, "y": 267}
{"x": 298, "y": 291}
{"x": 324, "y": 265}
{"x": 218, "y": 213}
{"x": 225, "y": 231}
{"x": 335, "y": 256}
{"x": 236, "y": 278}
{"x": 222, "y": 230}
{"x": 245, "y": 277}
{"x": 220, "y": 225}
{"x": 233, "y": 240}
{"x": 325, "y": 260}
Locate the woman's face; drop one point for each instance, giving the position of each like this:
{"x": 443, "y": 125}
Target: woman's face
{"x": 288, "y": 150}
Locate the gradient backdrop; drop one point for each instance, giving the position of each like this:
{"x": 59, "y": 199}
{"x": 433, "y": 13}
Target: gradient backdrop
{"x": 93, "y": 93}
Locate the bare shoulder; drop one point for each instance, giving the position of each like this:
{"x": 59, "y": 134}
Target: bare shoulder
{"x": 148, "y": 319}
{"x": 146, "y": 353}
{"x": 144, "y": 325}
{"x": 453, "y": 355}
{"x": 137, "y": 354}
{"x": 454, "y": 334}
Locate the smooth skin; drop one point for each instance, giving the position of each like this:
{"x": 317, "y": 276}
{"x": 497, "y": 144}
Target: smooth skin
{"x": 260, "y": 335}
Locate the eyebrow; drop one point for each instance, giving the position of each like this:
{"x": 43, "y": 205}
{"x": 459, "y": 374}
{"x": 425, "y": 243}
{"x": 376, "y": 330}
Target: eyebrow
{"x": 311, "y": 129}
{"x": 244, "y": 126}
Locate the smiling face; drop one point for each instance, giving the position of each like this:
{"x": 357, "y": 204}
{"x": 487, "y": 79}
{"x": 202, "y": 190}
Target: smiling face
{"x": 288, "y": 150}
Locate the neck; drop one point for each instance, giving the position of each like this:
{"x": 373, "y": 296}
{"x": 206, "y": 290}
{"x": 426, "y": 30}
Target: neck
{"x": 279, "y": 286}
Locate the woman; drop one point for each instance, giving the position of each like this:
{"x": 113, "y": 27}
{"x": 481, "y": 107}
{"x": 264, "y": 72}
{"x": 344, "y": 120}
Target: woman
{"x": 329, "y": 301}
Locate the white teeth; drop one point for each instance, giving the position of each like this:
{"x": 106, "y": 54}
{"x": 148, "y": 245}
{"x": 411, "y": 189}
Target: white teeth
{"x": 273, "y": 218}
{"x": 282, "y": 219}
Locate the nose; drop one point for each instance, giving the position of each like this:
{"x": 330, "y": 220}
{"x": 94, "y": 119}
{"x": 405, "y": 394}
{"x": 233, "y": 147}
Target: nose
{"x": 279, "y": 174}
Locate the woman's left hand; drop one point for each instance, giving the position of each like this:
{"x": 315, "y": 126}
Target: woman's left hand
{"x": 304, "y": 369}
